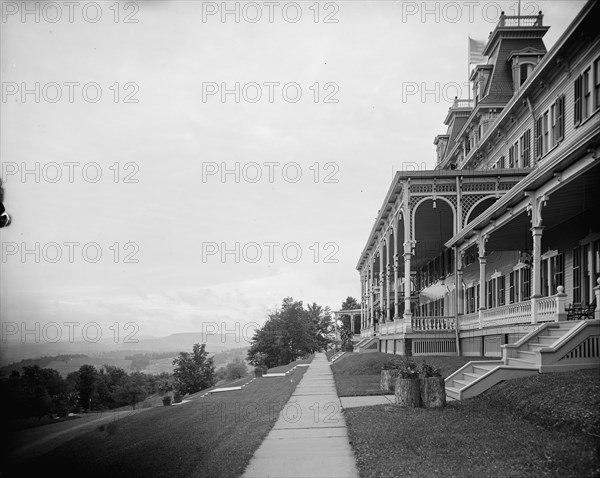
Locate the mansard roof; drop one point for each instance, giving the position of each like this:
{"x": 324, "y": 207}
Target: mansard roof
{"x": 500, "y": 88}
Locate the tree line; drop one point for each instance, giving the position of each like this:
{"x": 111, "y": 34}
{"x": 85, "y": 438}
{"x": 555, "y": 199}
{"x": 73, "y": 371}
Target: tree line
{"x": 39, "y": 392}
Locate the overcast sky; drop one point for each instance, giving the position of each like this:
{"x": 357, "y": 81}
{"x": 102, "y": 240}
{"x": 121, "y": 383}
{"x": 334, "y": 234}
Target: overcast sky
{"x": 161, "y": 132}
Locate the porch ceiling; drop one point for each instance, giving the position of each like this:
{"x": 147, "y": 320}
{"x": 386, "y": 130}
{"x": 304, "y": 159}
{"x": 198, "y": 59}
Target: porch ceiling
{"x": 579, "y": 196}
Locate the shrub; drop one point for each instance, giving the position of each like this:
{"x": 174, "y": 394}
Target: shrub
{"x": 406, "y": 367}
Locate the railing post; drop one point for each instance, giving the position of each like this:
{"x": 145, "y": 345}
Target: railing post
{"x": 407, "y": 324}
{"x": 534, "y": 310}
{"x": 597, "y": 292}
{"x": 561, "y": 299}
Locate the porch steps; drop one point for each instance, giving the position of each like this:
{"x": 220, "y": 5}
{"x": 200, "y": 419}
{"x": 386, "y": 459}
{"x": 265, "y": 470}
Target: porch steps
{"x": 549, "y": 348}
{"x": 366, "y": 345}
{"x": 338, "y": 356}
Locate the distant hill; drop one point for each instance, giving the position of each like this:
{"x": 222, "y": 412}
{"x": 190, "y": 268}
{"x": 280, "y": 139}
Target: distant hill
{"x": 180, "y": 342}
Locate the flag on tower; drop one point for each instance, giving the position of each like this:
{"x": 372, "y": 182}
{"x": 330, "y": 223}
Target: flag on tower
{"x": 476, "y": 52}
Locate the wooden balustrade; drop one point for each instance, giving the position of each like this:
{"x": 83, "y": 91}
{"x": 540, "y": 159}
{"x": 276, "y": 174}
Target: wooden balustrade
{"x": 432, "y": 323}
{"x": 546, "y": 309}
{"x": 519, "y": 312}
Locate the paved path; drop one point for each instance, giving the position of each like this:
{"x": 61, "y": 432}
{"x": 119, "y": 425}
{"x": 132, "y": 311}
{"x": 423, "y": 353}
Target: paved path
{"x": 367, "y": 401}
{"x": 310, "y": 438}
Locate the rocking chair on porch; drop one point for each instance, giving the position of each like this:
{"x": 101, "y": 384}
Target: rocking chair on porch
{"x": 578, "y": 311}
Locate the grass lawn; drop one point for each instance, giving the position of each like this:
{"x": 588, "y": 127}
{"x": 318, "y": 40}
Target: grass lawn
{"x": 547, "y": 425}
{"x": 211, "y": 436}
{"x": 360, "y": 374}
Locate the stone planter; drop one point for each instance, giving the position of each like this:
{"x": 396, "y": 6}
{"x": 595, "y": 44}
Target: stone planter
{"x": 166, "y": 400}
{"x": 433, "y": 392}
{"x": 259, "y": 371}
{"x": 408, "y": 392}
{"x": 388, "y": 380}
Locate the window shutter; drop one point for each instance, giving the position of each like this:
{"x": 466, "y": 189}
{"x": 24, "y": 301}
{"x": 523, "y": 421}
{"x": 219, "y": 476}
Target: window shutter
{"x": 561, "y": 117}
{"x": 527, "y": 149}
{"x": 577, "y": 106}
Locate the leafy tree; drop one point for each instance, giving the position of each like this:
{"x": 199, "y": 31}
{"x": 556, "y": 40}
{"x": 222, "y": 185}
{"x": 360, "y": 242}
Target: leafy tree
{"x": 194, "y": 372}
{"x": 321, "y": 323}
{"x": 236, "y": 369}
{"x": 87, "y": 384}
{"x": 132, "y": 390}
{"x": 41, "y": 391}
{"x": 345, "y": 329}
{"x": 289, "y": 333}
{"x": 164, "y": 383}
{"x": 109, "y": 379}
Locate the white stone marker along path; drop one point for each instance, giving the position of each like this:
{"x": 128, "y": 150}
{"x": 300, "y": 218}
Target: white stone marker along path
{"x": 310, "y": 438}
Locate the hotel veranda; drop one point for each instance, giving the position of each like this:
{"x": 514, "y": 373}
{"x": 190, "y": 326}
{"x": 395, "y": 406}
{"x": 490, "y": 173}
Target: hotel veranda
{"x": 496, "y": 252}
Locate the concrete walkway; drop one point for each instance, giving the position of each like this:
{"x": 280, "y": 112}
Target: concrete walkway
{"x": 367, "y": 401}
{"x": 310, "y": 438}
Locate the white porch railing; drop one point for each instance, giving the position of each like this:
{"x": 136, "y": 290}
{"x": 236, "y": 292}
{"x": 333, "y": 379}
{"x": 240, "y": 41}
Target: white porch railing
{"x": 542, "y": 309}
{"x": 546, "y": 309}
{"x": 394, "y": 327}
{"x": 519, "y": 312}
{"x": 469, "y": 321}
{"x": 432, "y": 323}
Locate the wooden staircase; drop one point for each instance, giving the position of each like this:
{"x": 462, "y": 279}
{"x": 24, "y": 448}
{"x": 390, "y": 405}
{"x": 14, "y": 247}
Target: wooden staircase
{"x": 366, "y": 345}
{"x": 337, "y": 356}
{"x": 552, "y": 347}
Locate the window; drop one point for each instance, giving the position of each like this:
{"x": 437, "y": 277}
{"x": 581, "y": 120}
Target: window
{"x": 557, "y": 272}
{"x": 538, "y": 137}
{"x": 501, "y": 285}
{"x": 577, "y": 274}
{"x": 525, "y": 72}
{"x": 597, "y": 83}
{"x": 587, "y": 95}
{"x": 525, "y": 148}
{"x": 546, "y": 133}
{"x": 544, "y": 277}
{"x": 525, "y": 283}
{"x": 495, "y": 291}
{"x": 502, "y": 162}
{"x": 578, "y": 95}
{"x": 512, "y": 280}
{"x": 557, "y": 120}
{"x": 513, "y": 155}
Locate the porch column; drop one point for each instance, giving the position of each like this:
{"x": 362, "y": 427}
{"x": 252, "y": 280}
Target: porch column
{"x": 458, "y": 262}
{"x": 407, "y": 258}
{"x": 381, "y": 280}
{"x": 396, "y": 283}
{"x": 597, "y": 293}
{"x": 352, "y": 317}
{"x": 536, "y": 270}
{"x": 362, "y": 301}
{"x": 388, "y": 277}
{"x": 371, "y": 298}
{"x": 482, "y": 294}
{"x": 396, "y": 264}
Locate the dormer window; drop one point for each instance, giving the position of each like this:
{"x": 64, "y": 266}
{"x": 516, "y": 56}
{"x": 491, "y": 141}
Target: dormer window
{"x": 525, "y": 72}
{"x": 523, "y": 62}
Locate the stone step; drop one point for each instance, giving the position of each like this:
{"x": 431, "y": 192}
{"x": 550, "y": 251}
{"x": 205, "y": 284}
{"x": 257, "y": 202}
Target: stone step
{"x": 471, "y": 376}
{"x": 461, "y": 383}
